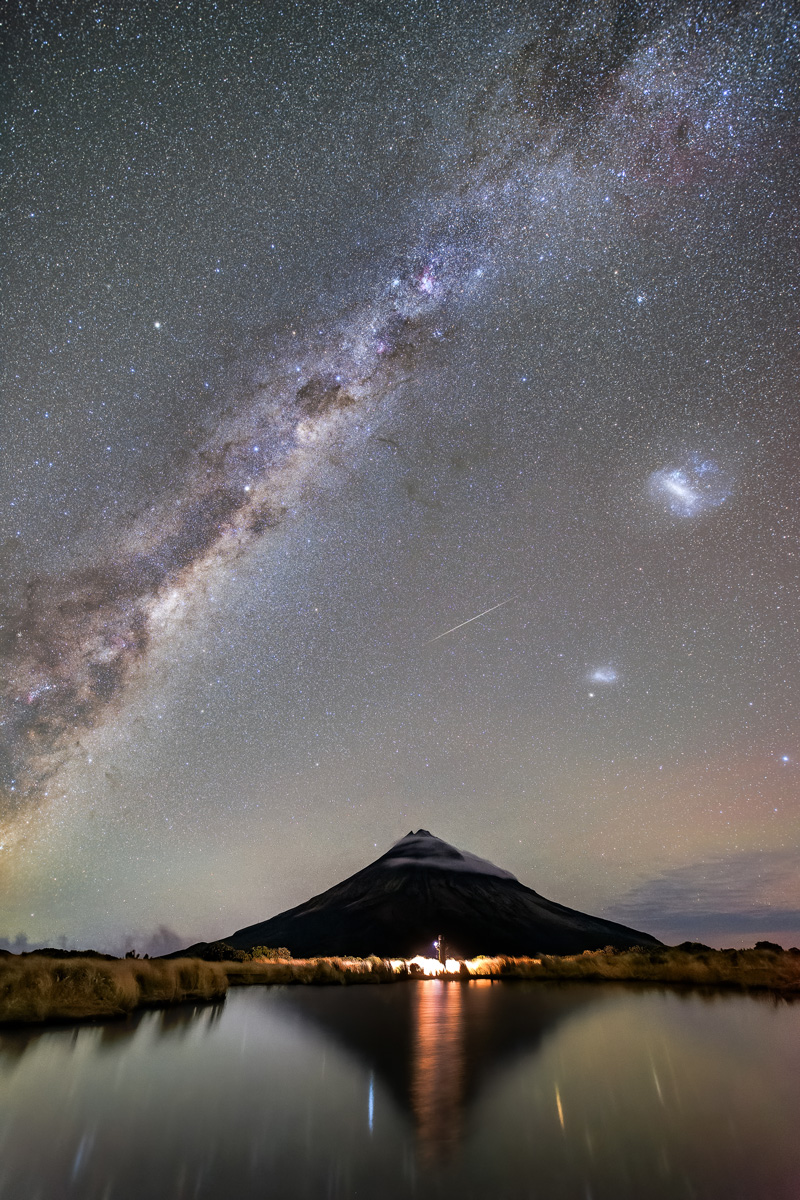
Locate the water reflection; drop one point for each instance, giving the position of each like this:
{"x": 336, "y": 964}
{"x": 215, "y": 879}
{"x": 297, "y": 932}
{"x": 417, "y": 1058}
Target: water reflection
{"x": 188, "y": 1018}
{"x": 435, "y": 1044}
{"x": 111, "y": 1035}
{"x": 431, "y": 1089}
{"x": 15, "y": 1043}
{"x": 437, "y": 1086}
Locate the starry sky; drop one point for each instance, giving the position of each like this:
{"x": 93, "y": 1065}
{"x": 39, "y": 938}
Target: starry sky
{"x": 329, "y": 327}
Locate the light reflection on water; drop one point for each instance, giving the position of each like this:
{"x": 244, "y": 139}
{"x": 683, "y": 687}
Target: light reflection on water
{"x": 437, "y": 1085}
{"x": 423, "y": 1089}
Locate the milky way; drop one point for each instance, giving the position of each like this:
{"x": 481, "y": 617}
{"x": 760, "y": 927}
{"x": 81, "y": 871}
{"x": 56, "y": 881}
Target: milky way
{"x": 573, "y": 152}
{"x": 72, "y": 647}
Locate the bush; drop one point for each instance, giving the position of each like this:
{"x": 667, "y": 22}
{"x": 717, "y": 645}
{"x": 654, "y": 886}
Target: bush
{"x": 222, "y": 952}
{"x": 270, "y": 953}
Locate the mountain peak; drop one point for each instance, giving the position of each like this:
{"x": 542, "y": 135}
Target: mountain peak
{"x": 423, "y": 888}
{"x": 423, "y": 849}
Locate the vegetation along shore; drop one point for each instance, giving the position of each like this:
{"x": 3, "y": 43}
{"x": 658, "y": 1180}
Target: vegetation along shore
{"x": 65, "y": 986}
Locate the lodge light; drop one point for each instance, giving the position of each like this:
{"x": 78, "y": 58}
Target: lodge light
{"x": 431, "y": 967}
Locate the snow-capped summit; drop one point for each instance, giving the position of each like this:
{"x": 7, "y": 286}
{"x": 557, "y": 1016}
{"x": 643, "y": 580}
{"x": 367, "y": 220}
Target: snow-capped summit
{"x": 422, "y": 849}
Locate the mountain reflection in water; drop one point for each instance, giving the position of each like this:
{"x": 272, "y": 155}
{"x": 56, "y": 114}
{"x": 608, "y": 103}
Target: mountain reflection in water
{"x": 425, "y": 1090}
{"x": 434, "y": 1044}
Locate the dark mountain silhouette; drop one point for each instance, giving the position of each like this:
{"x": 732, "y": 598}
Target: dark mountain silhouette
{"x": 424, "y": 887}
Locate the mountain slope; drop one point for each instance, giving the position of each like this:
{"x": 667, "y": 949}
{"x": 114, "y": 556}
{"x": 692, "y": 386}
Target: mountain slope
{"x": 423, "y": 887}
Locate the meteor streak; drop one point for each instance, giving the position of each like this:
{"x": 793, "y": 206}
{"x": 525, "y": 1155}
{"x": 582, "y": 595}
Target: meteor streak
{"x": 469, "y": 620}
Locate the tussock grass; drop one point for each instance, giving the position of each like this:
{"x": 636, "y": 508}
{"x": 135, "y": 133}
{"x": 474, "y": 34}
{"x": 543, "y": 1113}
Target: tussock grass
{"x": 34, "y": 989}
{"x": 312, "y": 970}
{"x": 41, "y": 989}
{"x": 775, "y": 970}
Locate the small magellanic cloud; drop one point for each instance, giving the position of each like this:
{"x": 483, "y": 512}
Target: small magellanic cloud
{"x": 605, "y": 675}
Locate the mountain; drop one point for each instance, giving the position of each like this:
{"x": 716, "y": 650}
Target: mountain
{"x": 423, "y": 887}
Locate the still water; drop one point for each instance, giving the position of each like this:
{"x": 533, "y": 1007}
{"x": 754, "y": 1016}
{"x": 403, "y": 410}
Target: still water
{"x": 425, "y": 1089}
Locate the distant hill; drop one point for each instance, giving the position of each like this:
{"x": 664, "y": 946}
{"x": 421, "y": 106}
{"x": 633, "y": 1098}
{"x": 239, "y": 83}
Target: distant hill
{"x": 423, "y": 887}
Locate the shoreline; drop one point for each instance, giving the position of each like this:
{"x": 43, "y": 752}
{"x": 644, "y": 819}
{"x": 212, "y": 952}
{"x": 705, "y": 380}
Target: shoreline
{"x": 776, "y": 971}
{"x": 40, "y": 990}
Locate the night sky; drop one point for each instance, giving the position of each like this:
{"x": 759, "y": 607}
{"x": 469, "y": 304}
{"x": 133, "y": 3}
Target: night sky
{"x": 330, "y": 326}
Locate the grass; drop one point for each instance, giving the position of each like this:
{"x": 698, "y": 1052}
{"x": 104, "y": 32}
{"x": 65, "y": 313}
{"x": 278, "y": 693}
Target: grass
{"x": 776, "y": 970}
{"x": 312, "y": 970}
{"x": 36, "y": 989}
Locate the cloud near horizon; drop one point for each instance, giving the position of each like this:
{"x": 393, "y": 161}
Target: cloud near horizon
{"x": 161, "y": 940}
{"x": 752, "y": 891}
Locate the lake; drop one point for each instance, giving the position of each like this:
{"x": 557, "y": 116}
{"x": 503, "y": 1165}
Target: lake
{"x": 422, "y": 1089}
